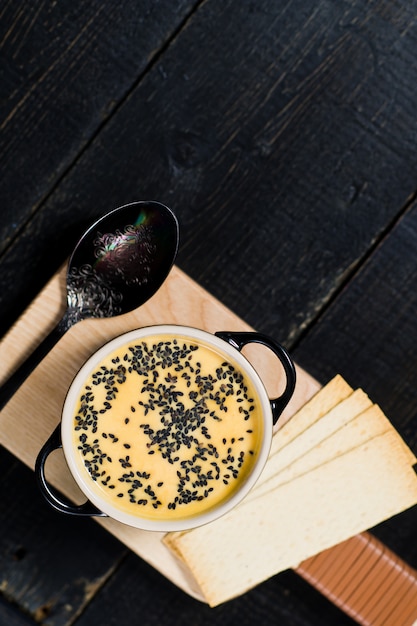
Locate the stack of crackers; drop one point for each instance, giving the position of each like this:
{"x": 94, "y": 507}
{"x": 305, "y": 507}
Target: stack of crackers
{"x": 336, "y": 469}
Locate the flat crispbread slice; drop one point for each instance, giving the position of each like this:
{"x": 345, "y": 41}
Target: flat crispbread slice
{"x": 313, "y": 431}
{"x": 300, "y": 518}
{"x": 341, "y": 438}
{"x": 321, "y": 403}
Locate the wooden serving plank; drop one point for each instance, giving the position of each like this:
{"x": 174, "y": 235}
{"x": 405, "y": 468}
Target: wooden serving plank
{"x": 31, "y": 415}
{"x": 34, "y": 411}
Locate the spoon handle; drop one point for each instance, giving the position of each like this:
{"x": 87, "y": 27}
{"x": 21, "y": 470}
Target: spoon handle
{"x": 13, "y": 383}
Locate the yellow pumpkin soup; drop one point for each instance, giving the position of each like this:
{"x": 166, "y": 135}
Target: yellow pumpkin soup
{"x": 167, "y": 427}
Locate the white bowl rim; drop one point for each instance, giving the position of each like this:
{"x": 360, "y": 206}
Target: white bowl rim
{"x": 84, "y": 483}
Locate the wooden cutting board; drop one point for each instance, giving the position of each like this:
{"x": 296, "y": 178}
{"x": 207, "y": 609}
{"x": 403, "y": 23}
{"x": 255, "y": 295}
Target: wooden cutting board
{"x": 32, "y": 414}
{"x": 34, "y": 411}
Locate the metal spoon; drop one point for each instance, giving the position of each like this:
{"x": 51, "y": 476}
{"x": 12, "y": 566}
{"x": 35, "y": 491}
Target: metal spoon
{"x": 117, "y": 265}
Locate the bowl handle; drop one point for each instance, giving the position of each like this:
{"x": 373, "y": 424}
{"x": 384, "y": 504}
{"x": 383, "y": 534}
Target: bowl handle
{"x": 53, "y": 497}
{"x": 239, "y": 340}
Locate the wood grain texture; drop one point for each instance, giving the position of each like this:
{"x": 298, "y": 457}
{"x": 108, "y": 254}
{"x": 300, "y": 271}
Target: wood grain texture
{"x": 314, "y": 156}
{"x": 137, "y": 590}
{"x": 376, "y": 345}
{"x": 49, "y": 568}
{"x": 375, "y": 589}
{"x": 32, "y": 414}
{"x": 13, "y": 616}
{"x": 284, "y": 137}
{"x": 65, "y": 68}
{"x": 369, "y": 334}
{"x": 195, "y": 305}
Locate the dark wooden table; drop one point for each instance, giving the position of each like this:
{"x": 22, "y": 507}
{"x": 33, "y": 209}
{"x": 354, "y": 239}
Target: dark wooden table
{"x": 284, "y": 136}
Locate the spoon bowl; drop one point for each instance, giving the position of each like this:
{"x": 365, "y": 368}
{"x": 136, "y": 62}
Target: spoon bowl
{"x": 117, "y": 265}
{"x": 121, "y": 261}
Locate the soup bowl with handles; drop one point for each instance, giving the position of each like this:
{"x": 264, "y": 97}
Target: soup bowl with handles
{"x": 167, "y": 427}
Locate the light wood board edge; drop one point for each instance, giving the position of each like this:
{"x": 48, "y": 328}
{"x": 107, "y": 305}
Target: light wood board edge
{"x": 31, "y": 415}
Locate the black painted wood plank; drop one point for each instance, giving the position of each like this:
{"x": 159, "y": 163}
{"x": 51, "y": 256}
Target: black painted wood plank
{"x": 369, "y": 335}
{"x": 50, "y": 565}
{"x": 139, "y": 594}
{"x": 282, "y": 135}
{"x": 12, "y": 616}
{"x": 64, "y": 67}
